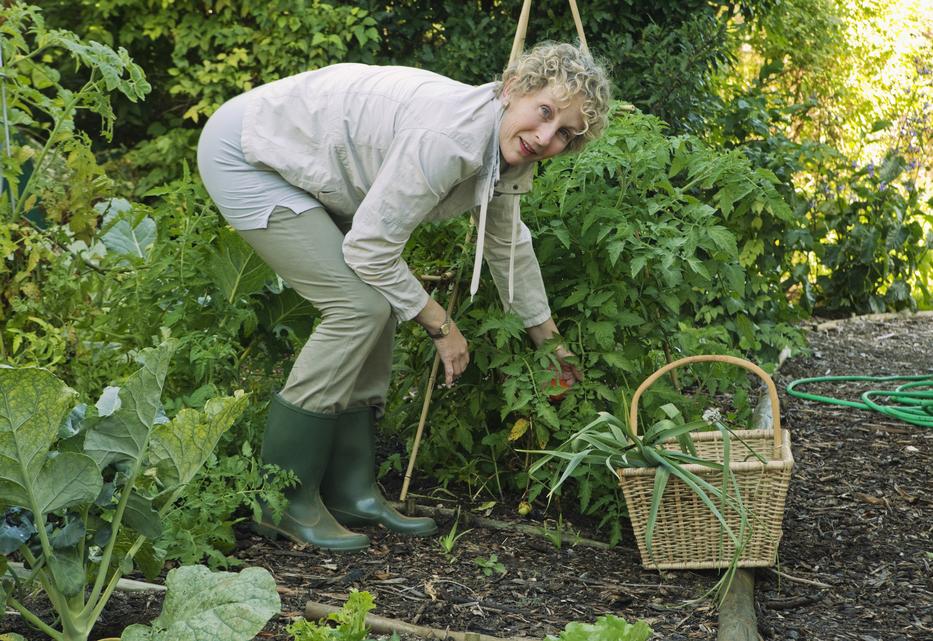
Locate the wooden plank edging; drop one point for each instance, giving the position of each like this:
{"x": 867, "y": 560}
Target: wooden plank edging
{"x": 738, "y": 620}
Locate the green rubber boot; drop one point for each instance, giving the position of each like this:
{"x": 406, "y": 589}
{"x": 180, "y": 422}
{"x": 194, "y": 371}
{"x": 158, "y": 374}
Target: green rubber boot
{"x": 302, "y": 441}
{"x": 349, "y": 486}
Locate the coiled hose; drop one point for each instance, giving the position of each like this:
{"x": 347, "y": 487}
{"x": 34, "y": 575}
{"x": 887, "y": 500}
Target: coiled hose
{"x": 910, "y": 402}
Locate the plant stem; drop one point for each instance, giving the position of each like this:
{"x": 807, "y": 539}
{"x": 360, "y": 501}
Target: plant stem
{"x": 35, "y": 566}
{"x": 495, "y": 466}
{"x": 68, "y": 110}
{"x": 58, "y": 603}
{"x": 114, "y": 527}
{"x": 98, "y": 607}
{"x": 245, "y": 353}
{"x": 667, "y": 356}
{"x": 531, "y": 374}
{"x": 95, "y": 604}
{"x": 34, "y": 620}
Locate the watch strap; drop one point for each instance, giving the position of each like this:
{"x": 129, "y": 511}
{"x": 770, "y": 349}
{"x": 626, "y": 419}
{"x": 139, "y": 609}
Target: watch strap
{"x": 444, "y": 329}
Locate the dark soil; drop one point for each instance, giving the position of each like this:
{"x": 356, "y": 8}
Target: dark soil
{"x": 854, "y": 561}
{"x": 859, "y": 516}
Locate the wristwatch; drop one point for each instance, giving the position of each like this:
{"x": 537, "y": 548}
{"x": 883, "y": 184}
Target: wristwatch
{"x": 442, "y": 331}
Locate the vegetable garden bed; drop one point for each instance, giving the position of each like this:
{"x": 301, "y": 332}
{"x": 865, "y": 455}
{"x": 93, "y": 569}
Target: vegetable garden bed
{"x": 857, "y": 540}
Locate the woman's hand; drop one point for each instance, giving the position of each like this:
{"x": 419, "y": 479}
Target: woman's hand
{"x": 569, "y": 373}
{"x": 450, "y": 344}
{"x": 454, "y": 353}
{"x": 546, "y": 331}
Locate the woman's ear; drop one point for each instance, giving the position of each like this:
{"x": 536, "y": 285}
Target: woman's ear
{"x": 507, "y": 91}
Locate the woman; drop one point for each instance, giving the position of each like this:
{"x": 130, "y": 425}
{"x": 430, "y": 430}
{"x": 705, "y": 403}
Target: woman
{"x": 326, "y": 174}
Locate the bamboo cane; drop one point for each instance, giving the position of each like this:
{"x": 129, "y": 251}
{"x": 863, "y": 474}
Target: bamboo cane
{"x": 429, "y": 388}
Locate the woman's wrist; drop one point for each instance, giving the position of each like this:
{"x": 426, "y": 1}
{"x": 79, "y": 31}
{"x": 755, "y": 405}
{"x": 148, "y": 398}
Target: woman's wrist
{"x": 443, "y": 330}
{"x": 434, "y": 319}
{"x": 540, "y": 334}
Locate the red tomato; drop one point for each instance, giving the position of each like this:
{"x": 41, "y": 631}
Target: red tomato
{"x": 564, "y": 380}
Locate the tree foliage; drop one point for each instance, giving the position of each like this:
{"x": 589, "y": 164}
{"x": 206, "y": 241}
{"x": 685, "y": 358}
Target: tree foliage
{"x": 198, "y": 55}
{"x": 838, "y": 98}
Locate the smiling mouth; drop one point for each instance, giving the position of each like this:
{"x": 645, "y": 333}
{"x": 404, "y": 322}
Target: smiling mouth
{"x": 526, "y": 150}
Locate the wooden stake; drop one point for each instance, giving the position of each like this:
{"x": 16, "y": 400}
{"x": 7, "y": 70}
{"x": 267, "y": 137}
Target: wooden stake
{"x": 737, "y": 620}
{"x": 432, "y": 378}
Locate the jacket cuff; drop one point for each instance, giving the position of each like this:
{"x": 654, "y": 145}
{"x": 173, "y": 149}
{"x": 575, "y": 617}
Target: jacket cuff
{"x": 537, "y": 319}
{"x": 407, "y": 313}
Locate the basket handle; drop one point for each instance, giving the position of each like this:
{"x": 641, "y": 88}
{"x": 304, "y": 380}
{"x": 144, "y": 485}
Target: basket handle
{"x": 518, "y": 42}
{"x": 741, "y": 362}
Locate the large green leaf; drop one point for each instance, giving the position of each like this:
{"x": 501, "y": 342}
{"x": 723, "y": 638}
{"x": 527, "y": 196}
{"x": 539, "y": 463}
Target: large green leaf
{"x": 148, "y": 559}
{"x": 661, "y": 476}
{"x": 33, "y": 403}
{"x": 220, "y": 606}
{"x": 142, "y": 517}
{"x": 236, "y": 268}
{"x": 288, "y": 312}
{"x": 179, "y": 448}
{"x": 68, "y": 573}
{"x": 127, "y": 234}
{"x": 124, "y": 434}
{"x": 67, "y": 479}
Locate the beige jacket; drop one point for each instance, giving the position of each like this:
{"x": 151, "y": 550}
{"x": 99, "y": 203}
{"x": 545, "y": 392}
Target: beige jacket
{"x": 393, "y": 147}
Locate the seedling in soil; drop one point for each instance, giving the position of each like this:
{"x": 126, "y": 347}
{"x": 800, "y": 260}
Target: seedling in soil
{"x": 606, "y": 627}
{"x": 348, "y": 624}
{"x": 449, "y": 541}
{"x": 556, "y": 536}
{"x": 490, "y": 565}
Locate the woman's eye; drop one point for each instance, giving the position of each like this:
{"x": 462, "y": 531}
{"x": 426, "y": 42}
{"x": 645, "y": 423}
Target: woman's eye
{"x": 565, "y": 134}
{"x": 545, "y": 111}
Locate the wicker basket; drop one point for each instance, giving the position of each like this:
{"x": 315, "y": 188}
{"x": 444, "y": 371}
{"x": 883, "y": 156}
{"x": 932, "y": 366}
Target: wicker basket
{"x": 686, "y": 534}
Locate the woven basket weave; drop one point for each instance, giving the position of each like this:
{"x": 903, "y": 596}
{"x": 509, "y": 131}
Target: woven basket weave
{"x": 686, "y": 534}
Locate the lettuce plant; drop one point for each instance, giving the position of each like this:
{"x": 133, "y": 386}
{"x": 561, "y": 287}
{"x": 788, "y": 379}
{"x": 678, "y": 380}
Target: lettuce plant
{"x": 606, "y": 628}
{"x": 87, "y": 489}
{"x": 350, "y": 622}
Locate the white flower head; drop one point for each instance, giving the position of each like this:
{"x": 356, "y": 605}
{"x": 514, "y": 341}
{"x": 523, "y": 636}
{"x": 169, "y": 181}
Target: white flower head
{"x": 712, "y": 416}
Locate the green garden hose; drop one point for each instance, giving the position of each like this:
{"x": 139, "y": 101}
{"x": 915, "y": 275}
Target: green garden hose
{"x": 910, "y": 403}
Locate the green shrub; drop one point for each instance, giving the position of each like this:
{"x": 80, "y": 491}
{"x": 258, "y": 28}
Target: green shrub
{"x": 651, "y": 247}
{"x": 202, "y": 55}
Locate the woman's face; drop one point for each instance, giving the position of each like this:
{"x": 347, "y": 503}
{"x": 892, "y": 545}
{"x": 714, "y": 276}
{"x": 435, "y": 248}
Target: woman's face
{"x": 536, "y": 126}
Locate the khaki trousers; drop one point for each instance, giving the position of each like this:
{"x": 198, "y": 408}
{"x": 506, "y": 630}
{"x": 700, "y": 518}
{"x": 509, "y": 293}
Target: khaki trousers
{"x": 348, "y": 358}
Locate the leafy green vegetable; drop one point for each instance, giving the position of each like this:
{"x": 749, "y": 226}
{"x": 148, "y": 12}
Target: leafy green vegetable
{"x": 350, "y": 622}
{"x": 147, "y": 460}
{"x": 606, "y": 628}
{"x": 221, "y": 606}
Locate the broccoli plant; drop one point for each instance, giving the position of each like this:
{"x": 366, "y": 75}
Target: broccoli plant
{"x": 86, "y": 490}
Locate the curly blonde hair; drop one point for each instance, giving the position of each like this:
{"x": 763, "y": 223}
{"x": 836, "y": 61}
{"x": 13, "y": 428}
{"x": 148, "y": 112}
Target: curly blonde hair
{"x": 570, "y": 72}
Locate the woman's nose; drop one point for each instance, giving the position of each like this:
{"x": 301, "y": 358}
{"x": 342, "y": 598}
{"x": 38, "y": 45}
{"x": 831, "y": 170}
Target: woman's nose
{"x": 544, "y": 135}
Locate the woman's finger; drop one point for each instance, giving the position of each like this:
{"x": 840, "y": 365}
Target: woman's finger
{"x": 577, "y": 374}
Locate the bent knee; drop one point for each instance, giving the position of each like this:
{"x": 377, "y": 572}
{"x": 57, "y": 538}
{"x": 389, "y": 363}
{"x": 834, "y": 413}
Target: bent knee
{"x": 368, "y": 308}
